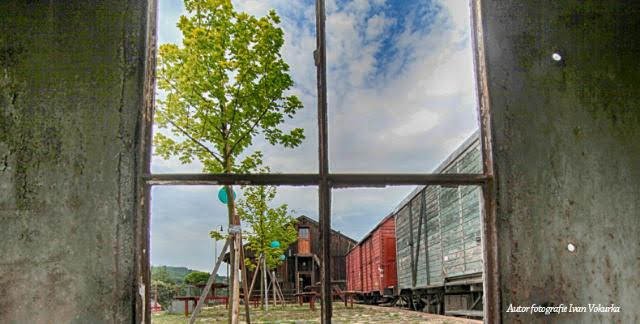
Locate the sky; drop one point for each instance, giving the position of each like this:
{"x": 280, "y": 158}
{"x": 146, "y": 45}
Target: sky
{"x": 400, "y": 99}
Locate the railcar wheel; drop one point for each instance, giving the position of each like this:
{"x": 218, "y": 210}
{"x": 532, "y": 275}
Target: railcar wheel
{"x": 417, "y": 303}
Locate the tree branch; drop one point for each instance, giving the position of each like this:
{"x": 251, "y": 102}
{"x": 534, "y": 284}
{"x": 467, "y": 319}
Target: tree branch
{"x": 243, "y": 136}
{"x": 185, "y": 133}
{"x": 198, "y": 93}
{"x": 201, "y": 97}
{"x": 235, "y": 107}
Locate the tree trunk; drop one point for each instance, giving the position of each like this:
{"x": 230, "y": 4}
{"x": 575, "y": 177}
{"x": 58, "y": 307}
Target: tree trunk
{"x": 273, "y": 286}
{"x": 235, "y": 306}
{"x": 266, "y": 288}
{"x": 234, "y": 222}
{"x": 258, "y": 266}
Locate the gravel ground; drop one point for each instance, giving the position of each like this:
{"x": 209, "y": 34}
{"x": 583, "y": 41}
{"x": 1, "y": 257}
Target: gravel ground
{"x": 302, "y": 314}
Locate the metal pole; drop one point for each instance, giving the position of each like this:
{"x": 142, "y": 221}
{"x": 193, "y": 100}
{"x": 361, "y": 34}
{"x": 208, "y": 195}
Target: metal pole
{"x": 323, "y": 163}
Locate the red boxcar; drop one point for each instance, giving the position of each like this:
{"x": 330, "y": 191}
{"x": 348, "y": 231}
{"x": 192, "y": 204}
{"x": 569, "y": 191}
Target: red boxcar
{"x": 354, "y": 279}
{"x": 371, "y": 265}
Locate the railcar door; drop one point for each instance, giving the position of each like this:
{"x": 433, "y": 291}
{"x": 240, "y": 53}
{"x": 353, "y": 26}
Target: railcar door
{"x": 389, "y": 263}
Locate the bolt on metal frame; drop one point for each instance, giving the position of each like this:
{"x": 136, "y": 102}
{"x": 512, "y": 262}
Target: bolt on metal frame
{"x": 325, "y": 180}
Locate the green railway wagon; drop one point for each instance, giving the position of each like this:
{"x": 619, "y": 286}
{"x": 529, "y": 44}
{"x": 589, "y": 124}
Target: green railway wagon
{"x": 438, "y": 241}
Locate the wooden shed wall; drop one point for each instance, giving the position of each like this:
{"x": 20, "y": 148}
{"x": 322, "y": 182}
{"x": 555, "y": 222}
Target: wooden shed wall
{"x": 340, "y": 246}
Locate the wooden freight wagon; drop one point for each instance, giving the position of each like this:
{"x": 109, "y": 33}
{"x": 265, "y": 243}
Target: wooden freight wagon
{"x": 439, "y": 248}
{"x": 371, "y": 265}
{"x": 354, "y": 269}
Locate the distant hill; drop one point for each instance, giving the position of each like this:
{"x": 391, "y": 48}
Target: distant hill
{"x": 175, "y": 274}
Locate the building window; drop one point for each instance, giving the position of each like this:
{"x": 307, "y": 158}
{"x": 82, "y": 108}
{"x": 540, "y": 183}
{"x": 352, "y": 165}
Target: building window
{"x": 303, "y": 233}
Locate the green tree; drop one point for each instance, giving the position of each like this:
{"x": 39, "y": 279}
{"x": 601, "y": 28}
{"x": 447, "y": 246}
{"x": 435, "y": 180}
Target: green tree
{"x": 226, "y": 84}
{"x": 196, "y": 278}
{"x": 164, "y": 292}
{"x": 267, "y": 224}
{"x": 161, "y": 274}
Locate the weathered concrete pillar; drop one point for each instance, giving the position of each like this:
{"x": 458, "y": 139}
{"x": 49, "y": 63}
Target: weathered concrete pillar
{"x": 71, "y": 94}
{"x": 567, "y": 152}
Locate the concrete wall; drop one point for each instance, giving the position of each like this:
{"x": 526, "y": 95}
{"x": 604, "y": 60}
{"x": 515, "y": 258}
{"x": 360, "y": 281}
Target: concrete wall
{"x": 71, "y": 80}
{"x": 567, "y": 153}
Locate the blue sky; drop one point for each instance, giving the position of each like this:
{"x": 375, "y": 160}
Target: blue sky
{"x": 401, "y": 98}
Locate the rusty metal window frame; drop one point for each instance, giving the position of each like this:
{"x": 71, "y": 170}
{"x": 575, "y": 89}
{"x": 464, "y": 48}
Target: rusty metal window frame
{"x": 323, "y": 179}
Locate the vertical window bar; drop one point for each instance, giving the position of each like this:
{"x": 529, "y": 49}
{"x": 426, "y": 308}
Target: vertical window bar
{"x": 142, "y": 260}
{"x": 491, "y": 274}
{"x": 324, "y": 189}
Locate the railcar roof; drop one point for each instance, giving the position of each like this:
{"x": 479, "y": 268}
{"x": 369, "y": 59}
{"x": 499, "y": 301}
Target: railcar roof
{"x": 462, "y": 148}
{"x": 443, "y": 165}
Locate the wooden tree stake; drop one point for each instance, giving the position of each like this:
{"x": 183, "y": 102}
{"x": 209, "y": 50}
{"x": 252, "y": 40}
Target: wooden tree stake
{"x": 212, "y": 279}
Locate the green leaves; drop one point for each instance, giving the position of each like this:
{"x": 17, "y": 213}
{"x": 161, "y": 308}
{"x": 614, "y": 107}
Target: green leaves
{"x": 196, "y": 278}
{"x": 267, "y": 223}
{"x": 217, "y": 235}
{"x": 226, "y": 84}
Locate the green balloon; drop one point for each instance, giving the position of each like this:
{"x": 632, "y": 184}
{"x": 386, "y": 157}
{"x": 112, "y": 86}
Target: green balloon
{"x": 222, "y": 195}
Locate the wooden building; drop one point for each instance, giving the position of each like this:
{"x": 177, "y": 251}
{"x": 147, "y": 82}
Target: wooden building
{"x": 301, "y": 269}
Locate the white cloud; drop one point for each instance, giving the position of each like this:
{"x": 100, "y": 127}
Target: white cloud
{"x": 375, "y": 26}
{"x": 459, "y": 14}
{"x": 254, "y": 7}
{"x": 416, "y": 123}
{"x": 358, "y": 6}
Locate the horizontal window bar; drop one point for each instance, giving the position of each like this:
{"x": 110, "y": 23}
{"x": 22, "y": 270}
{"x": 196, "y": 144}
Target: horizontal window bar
{"x": 285, "y": 179}
{"x": 346, "y": 180}
{"x": 336, "y": 180}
